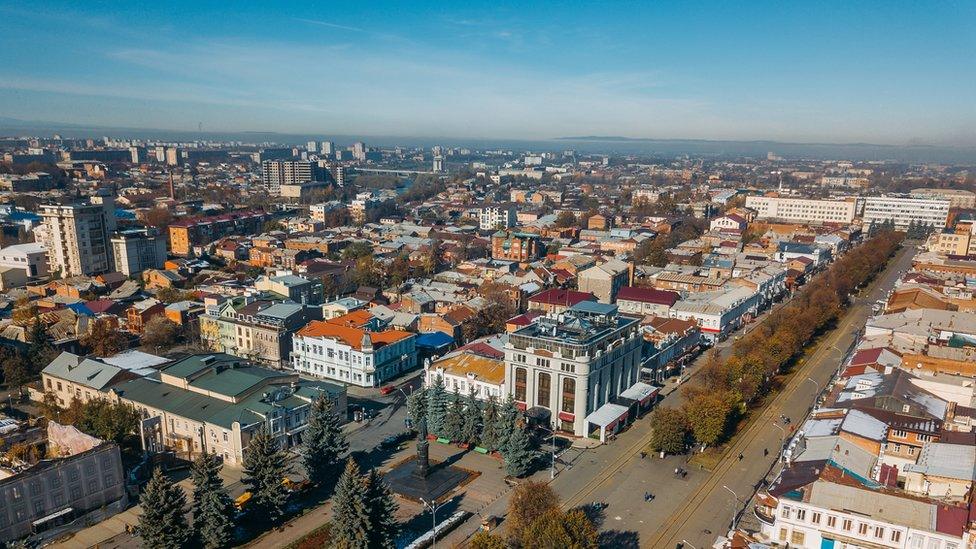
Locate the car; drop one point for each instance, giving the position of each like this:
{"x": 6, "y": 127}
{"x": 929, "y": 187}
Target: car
{"x": 388, "y": 389}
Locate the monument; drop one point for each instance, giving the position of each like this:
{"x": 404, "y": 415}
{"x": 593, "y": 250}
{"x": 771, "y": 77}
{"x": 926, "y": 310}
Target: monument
{"x": 416, "y": 478}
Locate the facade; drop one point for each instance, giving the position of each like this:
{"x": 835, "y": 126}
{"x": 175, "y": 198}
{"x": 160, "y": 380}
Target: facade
{"x": 334, "y": 349}
{"x": 513, "y": 246}
{"x": 30, "y": 258}
{"x": 802, "y": 209}
{"x": 136, "y": 250}
{"x": 71, "y": 377}
{"x": 185, "y": 235}
{"x": 58, "y": 491}
{"x": 606, "y": 279}
{"x": 958, "y": 198}
{"x": 257, "y": 330}
{"x": 467, "y": 370}
{"x": 903, "y": 211}
{"x": 277, "y": 173}
{"x": 646, "y": 301}
{"x": 32, "y": 182}
{"x": 77, "y": 236}
{"x": 573, "y": 363}
{"x": 216, "y": 403}
{"x": 497, "y": 217}
{"x": 291, "y": 287}
{"x": 718, "y": 313}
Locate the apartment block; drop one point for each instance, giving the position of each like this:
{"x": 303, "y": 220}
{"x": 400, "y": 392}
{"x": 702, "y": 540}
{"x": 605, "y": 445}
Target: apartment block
{"x": 802, "y": 209}
{"x": 77, "y": 236}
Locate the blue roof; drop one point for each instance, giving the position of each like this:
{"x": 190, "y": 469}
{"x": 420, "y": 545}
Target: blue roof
{"x": 124, "y": 214}
{"x": 81, "y": 309}
{"x": 434, "y": 340}
{"x": 594, "y": 307}
{"x": 23, "y": 216}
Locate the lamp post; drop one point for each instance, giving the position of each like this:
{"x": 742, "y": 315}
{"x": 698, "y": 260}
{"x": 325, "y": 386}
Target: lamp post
{"x": 734, "y": 505}
{"x": 685, "y": 542}
{"x": 433, "y": 506}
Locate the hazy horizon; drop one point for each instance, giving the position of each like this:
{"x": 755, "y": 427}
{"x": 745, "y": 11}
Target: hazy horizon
{"x": 828, "y": 73}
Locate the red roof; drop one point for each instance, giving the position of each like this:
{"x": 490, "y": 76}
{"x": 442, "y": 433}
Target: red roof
{"x": 559, "y": 296}
{"x": 648, "y": 295}
{"x": 524, "y": 319}
{"x": 951, "y": 520}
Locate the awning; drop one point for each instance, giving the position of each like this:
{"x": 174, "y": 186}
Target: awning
{"x": 52, "y": 516}
{"x": 566, "y": 416}
{"x": 640, "y": 392}
{"x": 607, "y": 415}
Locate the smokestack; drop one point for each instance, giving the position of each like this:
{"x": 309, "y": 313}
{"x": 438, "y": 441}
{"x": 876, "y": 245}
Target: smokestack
{"x": 172, "y": 189}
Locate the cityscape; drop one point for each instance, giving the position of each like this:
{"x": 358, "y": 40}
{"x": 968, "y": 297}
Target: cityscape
{"x": 403, "y": 304}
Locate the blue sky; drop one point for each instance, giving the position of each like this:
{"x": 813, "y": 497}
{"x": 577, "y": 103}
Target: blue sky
{"x": 881, "y": 72}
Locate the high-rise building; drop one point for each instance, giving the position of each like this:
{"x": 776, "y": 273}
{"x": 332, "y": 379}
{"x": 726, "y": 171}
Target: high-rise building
{"x": 328, "y": 148}
{"x": 438, "y": 164}
{"x": 172, "y": 156}
{"x": 159, "y": 152}
{"x": 275, "y": 173}
{"x": 311, "y": 146}
{"x": 136, "y": 250}
{"x": 359, "y": 151}
{"x": 497, "y": 217}
{"x": 77, "y": 236}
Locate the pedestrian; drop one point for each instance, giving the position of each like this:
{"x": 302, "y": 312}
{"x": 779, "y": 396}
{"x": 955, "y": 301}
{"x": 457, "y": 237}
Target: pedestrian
{"x": 765, "y": 452}
{"x": 740, "y": 457}
{"x": 676, "y": 470}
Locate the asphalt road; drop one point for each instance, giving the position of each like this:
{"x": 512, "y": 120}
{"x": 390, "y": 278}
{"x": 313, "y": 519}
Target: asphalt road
{"x": 709, "y": 508}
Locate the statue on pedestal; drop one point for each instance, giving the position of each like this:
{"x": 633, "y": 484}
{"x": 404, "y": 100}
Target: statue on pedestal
{"x": 423, "y": 458}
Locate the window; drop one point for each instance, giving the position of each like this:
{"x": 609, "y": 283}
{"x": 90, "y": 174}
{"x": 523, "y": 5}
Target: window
{"x": 879, "y": 532}
{"x": 911, "y": 450}
{"x": 847, "y": 525}
{"x": 862, "y": 529}
{"x": 542, "y": 362}
{"x": 899, "y": 433}
{"x": 569, "y": 395}
{"x": 797, "y": 538}
{"x": 785, "y": 512}
{"x": 815, "y": 518}
{"x": 831, "y": 521}
{"x": 542, "y": 392}
{"x": 782, "y": 534}
{"x": 801, "y": 514}
{"x": 520, "y": 384}
{"x": 896, "y": 535}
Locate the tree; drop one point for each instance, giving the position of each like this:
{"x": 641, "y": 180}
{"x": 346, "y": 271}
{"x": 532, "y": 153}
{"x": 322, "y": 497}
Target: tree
{"x": 159, "y": 217}
{"x": 454, "y": 422}
{"x": 507, "y": 422}
{"x": 264, "y": 470}
{"x": 490, "y": 433}
{"x": 518, "y": 452}
{"x": 565, "y": 219}
{"x": 160, "y": 333}
{"x": 471, "y": 426}
{"x": 708, "y": 415}
{"x": 350, "y": 512}
{"x": 357, "y": 249}
{"x": 530, "y": 501}
{"x": 213, "y": 509}
{"x": 557, "y": 529}
{"x": 381, "y": 508}
{"x": 40, "y": 352}
{"x": 417, "y": 405}
{"x": 485, "y": 540}
{"x": 101, "y": 418}
{"x": 436, "y": 406}
{"x": 323, "y": 441}
{"x": 16, "y": 371}
{"x": 163, "y": 521}
{"x": 670, "y": 430}
{"x": 104, "y": 340}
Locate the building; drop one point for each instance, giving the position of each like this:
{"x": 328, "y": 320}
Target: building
{"x": 958, "y": 198}
{"x": 77, "y": 236}
{"x": 30, "y": 258}
{"x": 646, "y": 301}
{"x": 215, "y": 403}
{"x": 477, "y": 367}
{"x": 258, "y": 330}
{"x": 200, "y": 231}
{"x": 333, "y": 349}
{"x": 802, "y": 209}
{"x": 136, "y": 250}
{"x": 494, "y": 218}
{"x": 32, "y": 182}
{"x": 81, "y": 486}
{"x": 904, "y": 211}
{"x": 277, "y": 173}
{"x": 606, "y": 279}
{"x": 557, "y": 300}
{"x": 291, "y": 287}
{"x": 515, "y": 246}
{"x": 718, "y": 313}
{"x": 172, "y": 156}
{"x": 570, "y": 365}
{"x": 438, "y": 164}
{"x": 730, "y": 222}
{"x": 72, "y": 377}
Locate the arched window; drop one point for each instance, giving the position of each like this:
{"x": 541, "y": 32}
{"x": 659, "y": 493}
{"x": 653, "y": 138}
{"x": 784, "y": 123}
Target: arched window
{"x": 520, "y": 384}
{"x": 542, "y": 392}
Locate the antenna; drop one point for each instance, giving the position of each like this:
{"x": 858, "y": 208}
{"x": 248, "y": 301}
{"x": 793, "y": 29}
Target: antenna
{"x": 199, "y": 126}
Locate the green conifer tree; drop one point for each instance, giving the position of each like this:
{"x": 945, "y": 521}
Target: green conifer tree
{"x": 471, "y": 427}
{"x": 264, "y": 470}
{"x": 213, "y": 509}
{"x": 381, "y": 507}
{"x": 350, "y": 512}
{"x": 323, "y": 441}
{"x": 490, "y": 435}
{"x": 436, "y": 407}
{"x": 163, "y": 520}
{"x": 454, "y": 422}
{"x": 507, "y": 421}
{"x": 417, "y": 405}
{"x": 518, "y": 452}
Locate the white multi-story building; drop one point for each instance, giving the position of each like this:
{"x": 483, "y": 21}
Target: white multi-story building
{"x": 802, "y": 209}
{"x": 333, "y": 349}
{"x": 136, "y": 250}
{"x": 30, "y": 257}
{"x": 77, "y": 236}
{"x": 497, "y": 217}
{"x": 277, "y": 173}
{"x": 717, "y": 313}
{"x": 646, "y": 194}
{"x": 574, "y": 363}
{"x": 958, "y": 198}
{"x": 903, "y": 210}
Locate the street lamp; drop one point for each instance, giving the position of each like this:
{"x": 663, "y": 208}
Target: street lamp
{"x": 685, "y": 542}
{"x": 433, "y": 506}
{"x": 782, "y": 439}
{"x": 734, "y": 505}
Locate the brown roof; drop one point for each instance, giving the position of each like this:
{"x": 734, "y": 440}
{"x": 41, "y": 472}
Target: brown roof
{"x": 488, "y": 370}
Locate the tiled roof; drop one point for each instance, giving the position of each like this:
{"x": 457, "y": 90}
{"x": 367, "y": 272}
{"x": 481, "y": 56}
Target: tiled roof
{"x": 352, "y": 337}
{"x": 648, "y": 295}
